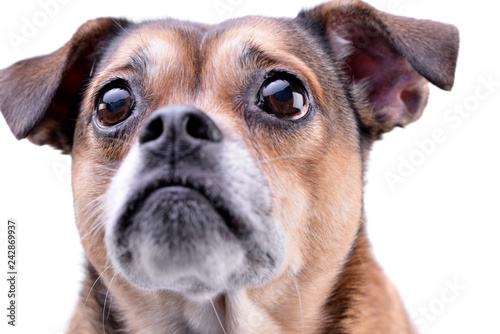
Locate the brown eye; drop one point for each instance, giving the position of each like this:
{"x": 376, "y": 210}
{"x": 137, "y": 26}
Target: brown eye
{"x": 284, "y": 98}
{"x": 114, "y": 106}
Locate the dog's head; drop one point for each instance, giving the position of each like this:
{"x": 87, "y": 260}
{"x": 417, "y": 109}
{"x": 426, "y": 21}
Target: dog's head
{"x": 215, "y": 158}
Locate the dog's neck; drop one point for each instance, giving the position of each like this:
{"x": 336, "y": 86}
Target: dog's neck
{"x": 304, "y": 303}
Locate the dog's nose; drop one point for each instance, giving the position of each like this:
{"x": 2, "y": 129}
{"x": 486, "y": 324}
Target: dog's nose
{"x": 179, "y": 127}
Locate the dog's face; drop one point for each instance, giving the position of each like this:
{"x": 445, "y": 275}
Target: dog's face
{"x": 223, "y": 156}
{"x": 218, "y": 158}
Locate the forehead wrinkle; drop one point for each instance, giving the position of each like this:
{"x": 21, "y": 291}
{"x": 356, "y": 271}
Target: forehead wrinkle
{"x": 171, "y": 62}
{"x": 251, "y": 48}
{"x": 147, "y": 51}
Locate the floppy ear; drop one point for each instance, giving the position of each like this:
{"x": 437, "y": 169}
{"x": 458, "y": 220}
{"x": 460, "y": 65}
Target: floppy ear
{"x": 386, "y": 58}
{"x": 40, "y": 97}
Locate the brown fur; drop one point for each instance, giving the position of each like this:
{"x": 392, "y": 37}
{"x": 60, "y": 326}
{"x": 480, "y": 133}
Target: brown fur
{"x": 329, "y": 282}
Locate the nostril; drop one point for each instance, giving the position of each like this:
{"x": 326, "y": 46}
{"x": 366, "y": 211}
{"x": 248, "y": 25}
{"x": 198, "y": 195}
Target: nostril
{"x": 153, "y": 130}
{"x": 196, "y": 129}
{"x": 200, "y": 128}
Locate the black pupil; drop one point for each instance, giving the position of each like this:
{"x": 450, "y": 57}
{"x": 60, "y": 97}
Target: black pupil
{"x": 283, "y": 98}
{"x": 115, "y": 99}
{"x": 280, "y": 90}
{"x": 115, "y": 106}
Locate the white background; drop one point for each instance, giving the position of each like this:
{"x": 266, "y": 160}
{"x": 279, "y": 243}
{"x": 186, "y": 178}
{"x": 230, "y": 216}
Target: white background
{"x": 438, "y": 227}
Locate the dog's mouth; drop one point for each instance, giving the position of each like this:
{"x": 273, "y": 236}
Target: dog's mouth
{"x": 162, "y": 190}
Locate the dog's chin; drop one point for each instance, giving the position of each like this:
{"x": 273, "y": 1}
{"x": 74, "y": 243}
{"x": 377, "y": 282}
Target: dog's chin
{"x": 176, "y": 239}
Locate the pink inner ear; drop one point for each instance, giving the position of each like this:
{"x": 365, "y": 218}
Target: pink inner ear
{"x": 394, "y": 88}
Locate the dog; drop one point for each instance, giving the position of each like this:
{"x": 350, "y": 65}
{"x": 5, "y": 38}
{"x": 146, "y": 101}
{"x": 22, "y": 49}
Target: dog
{"x": 217, "y": 171}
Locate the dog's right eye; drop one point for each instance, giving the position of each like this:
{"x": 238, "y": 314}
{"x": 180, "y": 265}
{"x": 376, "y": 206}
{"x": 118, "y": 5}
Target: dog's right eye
{"x": 114, "y": 106}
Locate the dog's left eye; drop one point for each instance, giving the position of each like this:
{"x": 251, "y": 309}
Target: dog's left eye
{"x": 114, "y": 106}
{"x": 284, "y": 98}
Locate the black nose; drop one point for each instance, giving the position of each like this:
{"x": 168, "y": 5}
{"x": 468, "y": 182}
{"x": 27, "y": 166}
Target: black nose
{"x": 179, "y": 127}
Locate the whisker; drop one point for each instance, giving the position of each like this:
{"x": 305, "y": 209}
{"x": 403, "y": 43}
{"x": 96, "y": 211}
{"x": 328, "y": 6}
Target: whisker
{"x": 93, "y": 211}
{"x": 91, "y": 288}
{"x": 217, "y": 315}
{"x": 96, "y": 228}
{"x": 92, "y": 69}
{"x": 104, "y": 307}
{"x": 300, "y": 303}
{"x": 118, "y": 24}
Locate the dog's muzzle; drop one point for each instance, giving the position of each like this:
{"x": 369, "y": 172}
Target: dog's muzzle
{"x": 190, "y": 211}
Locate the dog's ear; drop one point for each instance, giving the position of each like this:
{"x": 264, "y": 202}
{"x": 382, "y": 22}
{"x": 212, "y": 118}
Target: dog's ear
{"x": 386, "y": 58}
{"x": 40, "y": 97}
